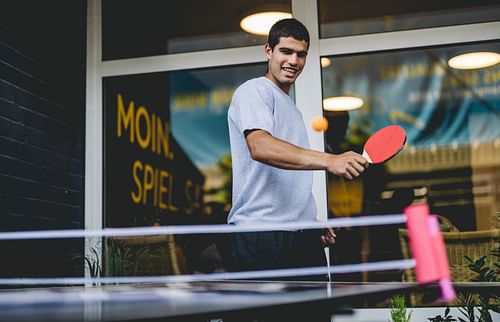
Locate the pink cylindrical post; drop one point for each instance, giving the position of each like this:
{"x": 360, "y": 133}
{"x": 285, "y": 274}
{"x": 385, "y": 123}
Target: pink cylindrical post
{"x": 420, "y": 243}
{"x": 439, "y": 252}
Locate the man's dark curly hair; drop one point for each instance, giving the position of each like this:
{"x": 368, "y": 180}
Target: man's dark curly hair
{"x": 287, "y": 28}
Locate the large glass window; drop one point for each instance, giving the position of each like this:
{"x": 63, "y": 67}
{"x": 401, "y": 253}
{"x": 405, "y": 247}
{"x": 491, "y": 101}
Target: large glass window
{"x": 198, "y": 105}
{"x": 346, "y": 18}
{"x": 137, "y": 29}
{"x": 167, "y": 161}
{"x": 451, "y": 159}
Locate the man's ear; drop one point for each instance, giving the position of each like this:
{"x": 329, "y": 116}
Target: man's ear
{"x": 268, "y": 51}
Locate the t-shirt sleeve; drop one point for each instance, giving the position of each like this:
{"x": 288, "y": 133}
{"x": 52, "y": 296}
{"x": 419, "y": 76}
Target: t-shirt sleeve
{"x": 252, "y": 108}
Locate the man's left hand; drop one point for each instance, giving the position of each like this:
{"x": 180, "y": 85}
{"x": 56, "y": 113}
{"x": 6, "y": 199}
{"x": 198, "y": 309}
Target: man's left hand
{"x": 328, "y": 237}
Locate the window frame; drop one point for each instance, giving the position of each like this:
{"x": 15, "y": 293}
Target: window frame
{"x": 308, "y": 92}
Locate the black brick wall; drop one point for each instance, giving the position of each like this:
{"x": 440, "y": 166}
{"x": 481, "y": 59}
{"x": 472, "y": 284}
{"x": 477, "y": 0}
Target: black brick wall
{"x": 42, "y": 130}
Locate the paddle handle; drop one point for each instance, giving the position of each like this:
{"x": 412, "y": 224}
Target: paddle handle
{"x": 327, "y": 255}
{"x": 366, "y": 156}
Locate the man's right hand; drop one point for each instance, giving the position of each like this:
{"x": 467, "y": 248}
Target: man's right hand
{"x": 348, "y": 165}
{"x": 265, "y": 148}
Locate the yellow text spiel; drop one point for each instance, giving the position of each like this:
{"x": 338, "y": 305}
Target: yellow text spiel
{"x": 153, "y": 186}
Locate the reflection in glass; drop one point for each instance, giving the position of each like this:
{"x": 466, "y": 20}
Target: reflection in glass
{"x": 132, "y": 29}
{"x": 198, "y": 105}
{"x": 260, "y": 23}
{"x": 342, "y": 103}
{"x": 346, "y": 18}
{"x": 452, "y": 157}
{"x": 474, "y": 60}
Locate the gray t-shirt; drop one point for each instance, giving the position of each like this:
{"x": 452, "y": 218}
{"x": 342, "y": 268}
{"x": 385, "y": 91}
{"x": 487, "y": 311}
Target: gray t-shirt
{"x": 263, "y": 193}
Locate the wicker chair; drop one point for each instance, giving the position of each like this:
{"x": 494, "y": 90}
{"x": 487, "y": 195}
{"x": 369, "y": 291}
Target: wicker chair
{"x": 473, "y": 244}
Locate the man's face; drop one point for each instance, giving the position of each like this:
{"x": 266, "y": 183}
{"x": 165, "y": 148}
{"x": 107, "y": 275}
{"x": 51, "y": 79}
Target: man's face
{"x": 286, "y": 61}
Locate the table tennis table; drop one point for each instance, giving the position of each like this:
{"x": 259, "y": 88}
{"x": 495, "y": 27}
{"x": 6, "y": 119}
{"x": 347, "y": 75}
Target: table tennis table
{"x": 194, "y": 301}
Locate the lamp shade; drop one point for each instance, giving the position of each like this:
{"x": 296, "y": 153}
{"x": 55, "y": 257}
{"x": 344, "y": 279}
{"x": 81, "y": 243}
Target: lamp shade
{"x": 259, "y": 23}
{"x": 342, "y": 103}
{"x": 259, "y": 16}
{"x": 474, "y": 60}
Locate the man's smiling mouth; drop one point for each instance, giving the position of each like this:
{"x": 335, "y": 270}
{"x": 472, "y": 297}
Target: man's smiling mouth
{"x": 290, "y": 70}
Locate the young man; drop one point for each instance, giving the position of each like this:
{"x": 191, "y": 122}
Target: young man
{"x": 270, "y": 151}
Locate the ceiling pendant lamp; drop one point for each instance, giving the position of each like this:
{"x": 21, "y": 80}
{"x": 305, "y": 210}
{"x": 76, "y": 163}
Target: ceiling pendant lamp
{"x": 258, "y": 19}
{"x": 342, "y": 103}
{"x": 474, "y": 60}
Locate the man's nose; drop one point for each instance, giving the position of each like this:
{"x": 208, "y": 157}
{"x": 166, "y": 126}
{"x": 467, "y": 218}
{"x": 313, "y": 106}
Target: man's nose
{"x": 292, "y": 59}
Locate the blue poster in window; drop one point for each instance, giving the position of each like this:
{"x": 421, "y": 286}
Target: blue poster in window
{"x": 436, "y": 104}
{"x": 198, "y": 107}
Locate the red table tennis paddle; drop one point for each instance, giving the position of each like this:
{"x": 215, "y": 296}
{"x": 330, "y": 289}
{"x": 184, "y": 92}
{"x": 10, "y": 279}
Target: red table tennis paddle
{"x": 380, "y": 147}
{"x": 384, "y": 144}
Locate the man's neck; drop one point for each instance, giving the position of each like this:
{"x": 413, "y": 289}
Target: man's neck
{"x": 284, "y": 87}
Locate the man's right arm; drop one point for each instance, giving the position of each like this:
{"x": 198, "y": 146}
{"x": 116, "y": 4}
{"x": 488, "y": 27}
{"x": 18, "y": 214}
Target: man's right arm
{"x": 267, "y": 149}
